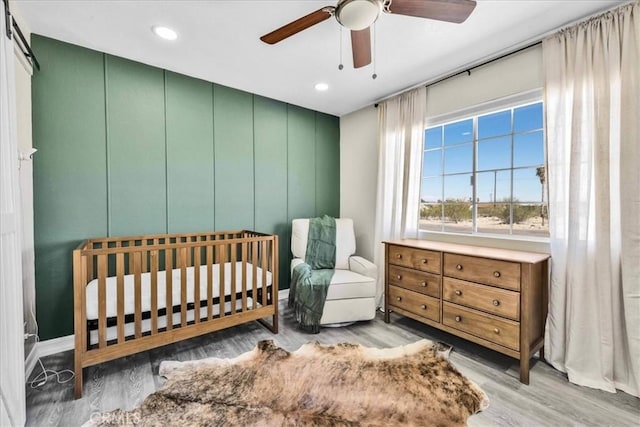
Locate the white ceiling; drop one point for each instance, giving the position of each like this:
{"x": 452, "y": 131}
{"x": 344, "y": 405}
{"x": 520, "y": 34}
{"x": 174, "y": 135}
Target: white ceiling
{"x": 219, "y": 41}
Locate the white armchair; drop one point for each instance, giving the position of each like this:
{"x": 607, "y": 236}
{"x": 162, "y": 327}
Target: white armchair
{"x": 352, "y": 292}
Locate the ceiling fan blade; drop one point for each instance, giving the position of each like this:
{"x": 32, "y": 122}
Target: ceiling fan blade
{"x": 456, "y": 11}
{"x": 298, "y": 25}
{"x": 361, "y": 47}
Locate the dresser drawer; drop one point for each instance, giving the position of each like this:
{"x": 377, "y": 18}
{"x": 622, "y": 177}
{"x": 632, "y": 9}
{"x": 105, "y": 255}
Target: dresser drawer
{"x": 420, "y": 259}
{"x": 492, "y": 328}
{"x": 417, "y": 281}
{"x": 416, "y": 303}
{"x": 481, "y": 297}
{"x": 503, "y": 274}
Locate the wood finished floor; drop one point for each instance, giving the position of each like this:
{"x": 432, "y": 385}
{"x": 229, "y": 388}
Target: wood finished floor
{"x": 550, "y": 400}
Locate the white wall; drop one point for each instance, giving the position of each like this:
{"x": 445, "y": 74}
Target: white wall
{"x": 359, "y": 151}
{"x": 514, "y": 74}
{"x": 359, "y": 173}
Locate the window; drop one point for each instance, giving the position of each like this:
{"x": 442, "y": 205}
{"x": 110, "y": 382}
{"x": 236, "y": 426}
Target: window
{"x": 485, "y": 174}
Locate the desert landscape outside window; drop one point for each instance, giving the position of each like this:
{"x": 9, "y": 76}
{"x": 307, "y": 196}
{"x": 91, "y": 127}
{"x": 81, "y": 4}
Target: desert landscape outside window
{"x": 486, "y": 174}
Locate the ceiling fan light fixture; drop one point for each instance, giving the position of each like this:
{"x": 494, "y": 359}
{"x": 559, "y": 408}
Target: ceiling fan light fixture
{"x": 357, "y": 15}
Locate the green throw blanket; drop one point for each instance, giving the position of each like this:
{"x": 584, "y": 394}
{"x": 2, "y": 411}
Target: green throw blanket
{"x": 310, "y": 279}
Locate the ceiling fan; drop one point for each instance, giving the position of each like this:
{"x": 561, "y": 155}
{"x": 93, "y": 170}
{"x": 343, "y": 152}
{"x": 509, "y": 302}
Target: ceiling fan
{"x": 359, "y": 15}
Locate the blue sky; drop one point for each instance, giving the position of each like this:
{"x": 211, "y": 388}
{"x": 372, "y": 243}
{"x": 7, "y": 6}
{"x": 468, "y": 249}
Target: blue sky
{"x": 450, "y": 147}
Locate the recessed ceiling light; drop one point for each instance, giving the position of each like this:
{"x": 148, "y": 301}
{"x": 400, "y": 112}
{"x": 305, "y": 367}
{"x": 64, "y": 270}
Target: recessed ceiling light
{"x": 164, "y": 32}
{"x": 321, "y": 87}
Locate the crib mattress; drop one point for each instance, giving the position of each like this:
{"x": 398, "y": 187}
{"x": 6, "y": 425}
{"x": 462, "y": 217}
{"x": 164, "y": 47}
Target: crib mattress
{"x": 129, "y": 302}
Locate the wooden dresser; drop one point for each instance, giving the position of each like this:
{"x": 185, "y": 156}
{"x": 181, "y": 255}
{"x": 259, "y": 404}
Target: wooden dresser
{"x": 493, "y": 297}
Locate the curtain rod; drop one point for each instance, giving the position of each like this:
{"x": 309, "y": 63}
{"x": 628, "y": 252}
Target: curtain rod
{"x": 23, "y": 45}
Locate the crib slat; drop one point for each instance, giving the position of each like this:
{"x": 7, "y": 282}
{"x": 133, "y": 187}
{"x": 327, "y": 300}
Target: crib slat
{"x": 120, "y": 296}
{"x": 154, "y": 292}
{"x": 209, "y": 282}
{"x": 102, "y": 301}
{"x": 118, "y": 244}
{"x": 80, "y": 317}
{"x": 83, "y": 299}
{"x": 83, "y": 302}
{"x": 243, "y": 254}
{"x": 182, "y": 263}
{"x": 130, "y": 243}
{"x": 168, "y": 266}
{"x": 275, "y": 280}
{"x": 137, "y": 280}
{"x": 189, "y": 258}
{"x": 264, "y": 254}
{"x": 90, "y": 276}
{"x": 196, "y": 285}
{"x": 221, "y": 267}
{"x": 234, "y": 255}
{"x": 254, "y": 273}
{"x": 145, "y": 254}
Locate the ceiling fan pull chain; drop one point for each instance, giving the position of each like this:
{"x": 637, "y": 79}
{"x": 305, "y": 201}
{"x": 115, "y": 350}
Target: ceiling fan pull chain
{"x": 340, "y": 66}
{"x": 375, "y": 54}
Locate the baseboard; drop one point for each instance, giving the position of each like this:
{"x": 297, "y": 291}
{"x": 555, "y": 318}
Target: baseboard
{"x": 55, "y": 345}
{"x": 30, "y": 361}
{"x": 283, "y": 294}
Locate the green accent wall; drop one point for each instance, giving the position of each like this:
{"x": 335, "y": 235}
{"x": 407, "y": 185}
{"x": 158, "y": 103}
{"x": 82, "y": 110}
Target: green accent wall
{"x": 270, "y": 152}
{"x": 233, "y": 136}
{"x": 190, "y": 161}
{"x": 327, "y": 179}
{"x": 75, "y": 185}
{"x": 301, "y": 151}
{"x": 135, "y": 148}
{"x": 127, "y": 149}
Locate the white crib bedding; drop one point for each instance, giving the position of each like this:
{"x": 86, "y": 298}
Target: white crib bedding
{"x": 129, "y": 302}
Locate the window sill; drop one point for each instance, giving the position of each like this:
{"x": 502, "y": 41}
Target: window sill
{"x": 517, "y": 242}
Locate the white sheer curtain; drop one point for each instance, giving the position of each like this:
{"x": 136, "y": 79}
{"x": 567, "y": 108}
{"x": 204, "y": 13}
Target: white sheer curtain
{"x": 12, "y": 392}
{"x": 592, "y": 95}
{"x": 401, "y": 122}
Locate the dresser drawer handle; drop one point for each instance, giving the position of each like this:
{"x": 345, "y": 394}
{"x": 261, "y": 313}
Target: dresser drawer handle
{"x": 458, "y": 292}
{"x": 496, "y": 302}
{"x": 459, "y": 267}
{"x": 398, "y": 277}
{"x": 496, "y": 330}
{"x": 496, "y": 273}
{"x": 424, "y": 307}
{"x": 423, "y": 284}
{"x": 399, "y": 298}
{"x": 424, "y": 260}
{"x": 458, "y": 319}
{"x": 399, "y": 256}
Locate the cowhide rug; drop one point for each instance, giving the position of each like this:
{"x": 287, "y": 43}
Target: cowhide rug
{"x": 317, "y": 385}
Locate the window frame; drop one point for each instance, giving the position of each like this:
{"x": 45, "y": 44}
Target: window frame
{"x": 473, "y": 112}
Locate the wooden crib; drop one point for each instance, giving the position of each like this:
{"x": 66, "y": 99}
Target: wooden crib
{"x": 132, "y": 294}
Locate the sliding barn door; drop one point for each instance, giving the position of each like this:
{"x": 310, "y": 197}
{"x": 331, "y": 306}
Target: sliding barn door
{"x": 12, "y": 387}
